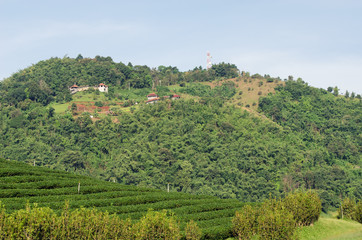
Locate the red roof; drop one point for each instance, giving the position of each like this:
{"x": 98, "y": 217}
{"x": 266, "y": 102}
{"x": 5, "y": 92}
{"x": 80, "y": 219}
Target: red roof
{"x": 152, "y": 95}
{"x": 151, "y": 100}
{"x": 102, "y": 84}
{"x": 74, "y": 86}
{"x": 176, "y": 96}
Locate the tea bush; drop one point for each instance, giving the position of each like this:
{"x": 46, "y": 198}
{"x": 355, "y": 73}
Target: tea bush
{"x": 192, "y": 231}
{"x": 305, "y": 207}
{"x": 157, "y": 225}
{"x": 245, "y": 222}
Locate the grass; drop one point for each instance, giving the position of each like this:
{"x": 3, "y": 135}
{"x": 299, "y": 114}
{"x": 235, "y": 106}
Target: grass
{"x": 330, "y": 228}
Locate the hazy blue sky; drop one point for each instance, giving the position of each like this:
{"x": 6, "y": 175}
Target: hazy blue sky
{"x": 319, "y": 41}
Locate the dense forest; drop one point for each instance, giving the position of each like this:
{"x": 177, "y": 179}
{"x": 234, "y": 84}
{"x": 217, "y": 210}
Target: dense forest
{"x": 310, "y": 138}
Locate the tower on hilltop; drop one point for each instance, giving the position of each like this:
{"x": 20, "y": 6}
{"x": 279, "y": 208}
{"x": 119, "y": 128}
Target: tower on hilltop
{"x": 208, "y": 60}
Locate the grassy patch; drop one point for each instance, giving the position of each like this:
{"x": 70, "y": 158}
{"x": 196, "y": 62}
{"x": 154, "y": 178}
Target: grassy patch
{"x": 332, "y": 228}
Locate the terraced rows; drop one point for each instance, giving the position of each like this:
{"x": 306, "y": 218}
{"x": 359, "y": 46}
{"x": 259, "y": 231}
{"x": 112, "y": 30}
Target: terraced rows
{"x": 21, "y": 183}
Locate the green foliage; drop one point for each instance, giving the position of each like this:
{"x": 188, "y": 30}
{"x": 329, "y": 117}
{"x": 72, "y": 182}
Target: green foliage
{"x": 245, "y": 222}
{"x": 351, "y": 210}
{"x": 274, "y": 223}
{"x": 270, "y": 220}
{"x": 20, "y": 183}
{"x": 330, "y": 126}
{"x": 156, "y": 225}
{"x": 225, "y": 70}
{"x": 98, "y": 104}
{"x": 225, "y": 91}
{"x": 358, "y": 212}
{"x": 305, "y": 207}
{"x": 197, "y": 89}
{"x": 192, "y": 231}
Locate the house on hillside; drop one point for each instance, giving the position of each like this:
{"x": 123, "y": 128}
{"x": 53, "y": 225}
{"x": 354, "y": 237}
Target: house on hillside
{"x": 152, "y": 100}
{"x": 175, "y": 96}
{"x": 73, "y": 89}
{"x": 102, "y": 87}
{"x": 152, "y": 96}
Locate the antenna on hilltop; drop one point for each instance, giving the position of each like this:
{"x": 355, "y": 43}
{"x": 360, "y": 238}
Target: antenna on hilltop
{"x": 208, "y": 60}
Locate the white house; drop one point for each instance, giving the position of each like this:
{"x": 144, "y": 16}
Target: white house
{"x": 102, "y": 87}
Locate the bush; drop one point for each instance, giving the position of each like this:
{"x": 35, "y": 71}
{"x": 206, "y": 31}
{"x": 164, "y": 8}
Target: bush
{"x": 245, "y": 222}
{"x": 29, "y": 223}
{"x": 156, "y": 225}
{"x": 347, "y": 209}
{"x": 305, "y": 207}
{"x": 358, "y": 212}
{"x": 274, "y": 223}
{"x": 192, "y": 231}
{"x": 98, "y": 104}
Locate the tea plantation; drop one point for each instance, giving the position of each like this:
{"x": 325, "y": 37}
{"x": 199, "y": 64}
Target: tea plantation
{"x": 21, "y": 183}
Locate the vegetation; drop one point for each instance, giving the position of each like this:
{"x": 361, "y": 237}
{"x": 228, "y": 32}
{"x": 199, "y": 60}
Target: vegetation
{"x": 22, "y": 185}
{"x": 329, "y": 227}
{"x": 349, "y": 209}
{"x": 212, "y": 141}
{"x": 277, "y": 219}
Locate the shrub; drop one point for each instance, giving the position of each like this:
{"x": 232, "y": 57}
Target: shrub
{"x": 358, "y": 212}
{"x": 192, "y": 231}
{"x": 156, "y": 225}
{"x": 2, "y": 221}
{"x": 259, "y": 93}
{"x": 245, "y": 222}
{"x": 347, "y": 209}
{"x": 274, "y": 223}
{"x": 29, "y": 223}
{"x": 98, "y": 104}
{"x": 305, "y": 207}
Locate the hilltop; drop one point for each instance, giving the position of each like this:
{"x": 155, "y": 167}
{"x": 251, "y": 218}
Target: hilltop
{"x": 230, "y": 134}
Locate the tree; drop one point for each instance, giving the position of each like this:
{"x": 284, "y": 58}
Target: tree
{"x": 51, "y": 111}
{"x": 72, "y": 160}
{"x": 335, "y": 91}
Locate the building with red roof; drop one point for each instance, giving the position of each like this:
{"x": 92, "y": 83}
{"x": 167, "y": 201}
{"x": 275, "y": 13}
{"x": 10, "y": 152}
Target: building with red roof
{"x": 152, "y": 96}
{"x": 102, "y": 87}
{"x": 153, "y": 100}
{"x": 175, "y": 96}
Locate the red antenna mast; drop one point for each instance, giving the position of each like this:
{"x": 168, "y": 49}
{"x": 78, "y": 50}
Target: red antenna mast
{"x": 209, "y": 64}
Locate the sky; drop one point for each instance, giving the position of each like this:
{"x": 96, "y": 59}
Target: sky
{"x": 319, "y": 41}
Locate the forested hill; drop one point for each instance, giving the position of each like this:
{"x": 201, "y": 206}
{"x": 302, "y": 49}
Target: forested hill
{"x": 50, "y": 79}
{"x": 307, "y": 137}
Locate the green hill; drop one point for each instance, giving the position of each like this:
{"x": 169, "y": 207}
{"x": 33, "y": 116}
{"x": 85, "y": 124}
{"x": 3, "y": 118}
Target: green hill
{"x": 21, "y": 183}
{"x": 213, "y": 141}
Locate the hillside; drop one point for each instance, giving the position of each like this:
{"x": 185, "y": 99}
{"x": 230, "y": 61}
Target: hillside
{"x": 21, "y": 183}
{"x": 214, "y": 140}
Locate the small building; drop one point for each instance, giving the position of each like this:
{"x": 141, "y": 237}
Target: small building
{"x": 152, "y": 100}
{"x": 175, "y": 96}
{"x": 152, "y": 96}
{"x": 73, "y": 89}
{"x": 102, "y": 87}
